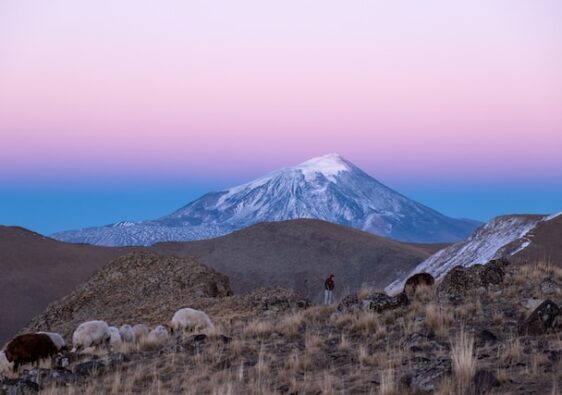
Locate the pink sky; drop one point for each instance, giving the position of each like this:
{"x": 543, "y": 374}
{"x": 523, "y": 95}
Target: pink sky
{"x": 463, "y": 89}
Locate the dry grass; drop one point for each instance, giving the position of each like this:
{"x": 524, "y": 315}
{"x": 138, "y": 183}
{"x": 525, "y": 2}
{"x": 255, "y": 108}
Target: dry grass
{"x": 464, "y": 361}
{"x": 321, "y": 350}
{"x": 438, "y": 319}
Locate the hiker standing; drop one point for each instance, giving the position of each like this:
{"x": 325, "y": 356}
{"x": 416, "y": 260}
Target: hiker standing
{"x": 328, "y": 289}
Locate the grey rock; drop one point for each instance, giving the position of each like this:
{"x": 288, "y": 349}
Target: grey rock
{"x": 542, "y": 320}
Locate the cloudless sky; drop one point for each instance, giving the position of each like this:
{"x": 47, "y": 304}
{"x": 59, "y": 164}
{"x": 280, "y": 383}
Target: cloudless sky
{"x": 114, "y": 110}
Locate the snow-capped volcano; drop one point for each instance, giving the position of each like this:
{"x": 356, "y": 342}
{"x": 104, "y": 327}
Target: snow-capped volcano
{"x": 328, "y": 187}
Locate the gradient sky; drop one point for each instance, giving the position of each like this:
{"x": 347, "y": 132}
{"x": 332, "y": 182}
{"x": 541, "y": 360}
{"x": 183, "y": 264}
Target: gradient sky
{"x": 113, "y": 110}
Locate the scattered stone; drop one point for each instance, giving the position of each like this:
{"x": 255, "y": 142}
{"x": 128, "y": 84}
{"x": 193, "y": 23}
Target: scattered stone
{"x": 531, "y": 303}
{"x": 426, "y": 378}
{"x": 484, "y": 382}
{"x": 199, "y": 338}
{"x": 420, "y": 342}
{"x": 549, "y": 287}
{"x": 18, "y": 387}
{"x": 375, "y": 301}
{"x": 541, "y": 321}
{"x": 485, "y": 337}
{"x": 89, "y": 368}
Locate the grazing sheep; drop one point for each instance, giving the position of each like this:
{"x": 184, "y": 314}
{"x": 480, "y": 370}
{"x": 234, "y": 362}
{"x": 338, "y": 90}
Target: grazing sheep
{"x": 57, "y": 339}
{"x": 91, "y": 334}
{"x": 158, "y": 336}
{"x": 115, "y": 340}
{"x": 141, "y": 331}
{"x": 191, "y": 319}
{"x": 5, "y": 365}
{"x": 127, "y": 333}
{"x": 29, "y": 348}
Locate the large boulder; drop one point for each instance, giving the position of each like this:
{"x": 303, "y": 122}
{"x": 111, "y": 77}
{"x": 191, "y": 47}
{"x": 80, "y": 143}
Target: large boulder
{"x": 541, "y": 321}
{"x": 460, "y": 281}
{"x": 416, "y": 281}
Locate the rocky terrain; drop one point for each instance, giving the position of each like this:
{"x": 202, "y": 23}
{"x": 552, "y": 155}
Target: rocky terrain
{"x": 522, "y": 238}
{"x": 492, "y": 328}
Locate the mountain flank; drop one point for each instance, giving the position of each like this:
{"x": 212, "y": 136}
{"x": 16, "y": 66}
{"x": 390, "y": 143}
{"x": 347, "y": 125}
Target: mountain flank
{"x": 521, "y": 238}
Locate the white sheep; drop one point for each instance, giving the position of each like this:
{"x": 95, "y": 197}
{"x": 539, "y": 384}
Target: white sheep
{"x": 91, "y": 334}
{"x": 5, "y": 365}
{"x": 127, "y": 333}
{"x": 115, "y": 340}
{"x": 141, "y": 331}
{"x": 57, "y": 340}
{"x": 158, "y": 336}
{"x": 191, "y": 319}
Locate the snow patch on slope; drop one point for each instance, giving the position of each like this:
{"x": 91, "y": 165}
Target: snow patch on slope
{"x": 487, "y": 243}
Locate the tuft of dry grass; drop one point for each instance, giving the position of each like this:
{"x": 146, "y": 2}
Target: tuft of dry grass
{"x": 259, "y": 328}
{"x": 464, "y": 361}
{"x": 438, "y": 319}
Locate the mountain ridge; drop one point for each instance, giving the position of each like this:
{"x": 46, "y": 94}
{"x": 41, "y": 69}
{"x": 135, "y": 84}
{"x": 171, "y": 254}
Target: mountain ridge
{"x": 506, "y": 236}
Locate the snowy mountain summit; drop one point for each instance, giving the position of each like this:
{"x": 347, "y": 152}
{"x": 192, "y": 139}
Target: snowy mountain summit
{"x": 328, "y": 187}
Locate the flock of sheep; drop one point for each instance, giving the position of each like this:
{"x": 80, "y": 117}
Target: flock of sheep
{"x": 33, "y": 347}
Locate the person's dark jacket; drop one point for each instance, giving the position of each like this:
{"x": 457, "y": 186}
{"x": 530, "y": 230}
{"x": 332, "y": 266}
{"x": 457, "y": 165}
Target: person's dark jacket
{"x": 329, "y": 283}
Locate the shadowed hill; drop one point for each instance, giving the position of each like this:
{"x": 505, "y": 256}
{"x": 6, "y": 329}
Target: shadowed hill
{"x": 36, "y": 270}
{"x": 545, "y": 243}
{"x": 299, "y": 254}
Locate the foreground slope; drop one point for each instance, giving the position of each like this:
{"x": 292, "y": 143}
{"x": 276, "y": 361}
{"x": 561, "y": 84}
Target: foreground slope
{"x": 523, "y": 237}
{"x": 329, "y": 188}
{"x": 36, "y": 270}
{"x": 491, "y": 340}
{"x": 299, "y": 254}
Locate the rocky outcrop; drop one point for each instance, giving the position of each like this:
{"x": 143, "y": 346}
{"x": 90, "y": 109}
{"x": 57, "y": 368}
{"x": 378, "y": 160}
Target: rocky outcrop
{"x": 460, "y": 281}
{"x": 541, "y": 321}
{"x": 376, "y": 301}
{"x": 138, "y": 287}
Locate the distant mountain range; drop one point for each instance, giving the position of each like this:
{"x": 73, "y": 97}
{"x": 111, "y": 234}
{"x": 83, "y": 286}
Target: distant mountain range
{"x": 518, "y": 237}
{"x": 328, "y": 188}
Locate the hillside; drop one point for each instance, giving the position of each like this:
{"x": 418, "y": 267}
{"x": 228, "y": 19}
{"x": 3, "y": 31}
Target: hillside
{"x": 299, "y": 254}
{"x": 135, "y": 288}
{"x": 545, "y": 242}
{"x": 479, "y": 331}
{"x": 328, "y": 188}
{"x": 519, "y": 237}
{"x": 37, "y": 270}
